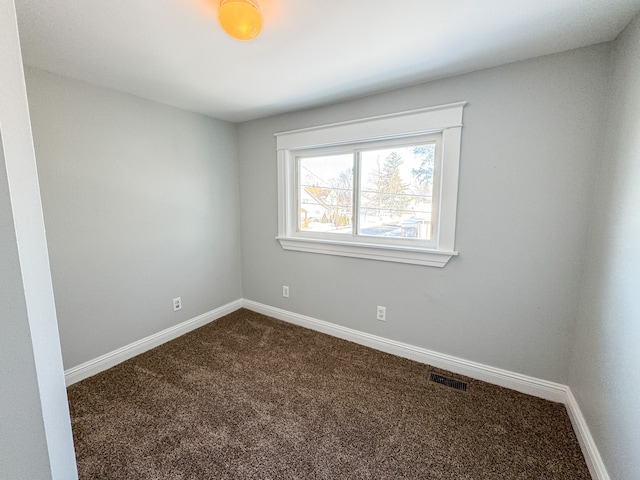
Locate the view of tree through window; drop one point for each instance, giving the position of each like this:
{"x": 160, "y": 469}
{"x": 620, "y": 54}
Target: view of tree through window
{"x": 394, "y": 192}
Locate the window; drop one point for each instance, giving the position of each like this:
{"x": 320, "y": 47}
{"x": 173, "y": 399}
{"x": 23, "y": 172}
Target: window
{"x": 383, "y": 188}
{"x": 378, "y": 189}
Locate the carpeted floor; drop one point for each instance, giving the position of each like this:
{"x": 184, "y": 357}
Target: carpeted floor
{"x": 248, "y": 396}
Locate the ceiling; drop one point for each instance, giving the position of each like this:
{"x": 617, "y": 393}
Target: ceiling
{"x": 310, "y": 52}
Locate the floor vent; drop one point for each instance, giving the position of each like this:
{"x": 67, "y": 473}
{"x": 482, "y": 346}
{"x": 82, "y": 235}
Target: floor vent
{"x": 448, "y": 382}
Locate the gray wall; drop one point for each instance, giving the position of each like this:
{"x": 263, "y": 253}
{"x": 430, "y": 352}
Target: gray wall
{"x": 141, "y": 206}
{"x": 528, "y": 164}
{"x": 605, "y": 373}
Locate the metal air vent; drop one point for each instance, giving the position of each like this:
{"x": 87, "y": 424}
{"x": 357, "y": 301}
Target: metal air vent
{"x": 448, "y": 382}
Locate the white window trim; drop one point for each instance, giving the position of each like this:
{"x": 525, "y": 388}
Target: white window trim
{"x": 444, "y": 119}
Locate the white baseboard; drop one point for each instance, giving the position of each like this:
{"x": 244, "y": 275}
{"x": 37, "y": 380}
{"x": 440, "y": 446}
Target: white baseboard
{"x": 515, "y": 381}
{"x": 108, "y": 360}
{"x": 587, "y": 444}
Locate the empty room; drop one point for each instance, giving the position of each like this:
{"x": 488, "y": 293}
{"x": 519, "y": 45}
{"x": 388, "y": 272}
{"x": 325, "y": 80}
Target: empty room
{"x": 319, "y": 239}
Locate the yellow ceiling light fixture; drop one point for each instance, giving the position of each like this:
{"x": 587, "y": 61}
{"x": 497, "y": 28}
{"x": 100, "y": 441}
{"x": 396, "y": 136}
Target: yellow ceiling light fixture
{"x": 241, "y": 19}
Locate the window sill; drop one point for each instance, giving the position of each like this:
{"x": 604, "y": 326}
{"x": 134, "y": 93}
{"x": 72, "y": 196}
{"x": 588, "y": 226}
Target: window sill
{"x": 385, "y": 253}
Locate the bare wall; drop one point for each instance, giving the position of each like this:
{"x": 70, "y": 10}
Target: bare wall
{"x": 605, "y": 373}
{"x": 141, "y": 205}
{"x": 528, "y": 166}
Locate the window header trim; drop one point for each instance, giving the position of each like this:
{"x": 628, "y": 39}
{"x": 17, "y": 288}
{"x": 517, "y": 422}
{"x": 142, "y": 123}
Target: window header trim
{"x": 402, "y": 125}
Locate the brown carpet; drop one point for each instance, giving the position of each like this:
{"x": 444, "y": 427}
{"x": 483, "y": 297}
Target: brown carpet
{"x": 248, "y": 396}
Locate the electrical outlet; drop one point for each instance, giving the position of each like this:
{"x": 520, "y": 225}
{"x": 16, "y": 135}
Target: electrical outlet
{"x": 177, "y": 304}
{"x": 381, "y": 313}
{"x": 285, "y": 291}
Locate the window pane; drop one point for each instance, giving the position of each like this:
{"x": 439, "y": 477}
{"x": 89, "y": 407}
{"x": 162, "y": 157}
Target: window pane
{"x": 397, "y": 188}
{"x": 325, "y": 193}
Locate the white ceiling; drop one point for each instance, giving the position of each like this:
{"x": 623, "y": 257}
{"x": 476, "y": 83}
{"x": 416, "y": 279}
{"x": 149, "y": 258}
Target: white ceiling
{"x": 310, "y": 52}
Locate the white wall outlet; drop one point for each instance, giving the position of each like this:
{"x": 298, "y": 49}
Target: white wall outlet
{"x": 381, "y": 313}
{"x": 177, "y": 304}
{"x": 285, "y": 291}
